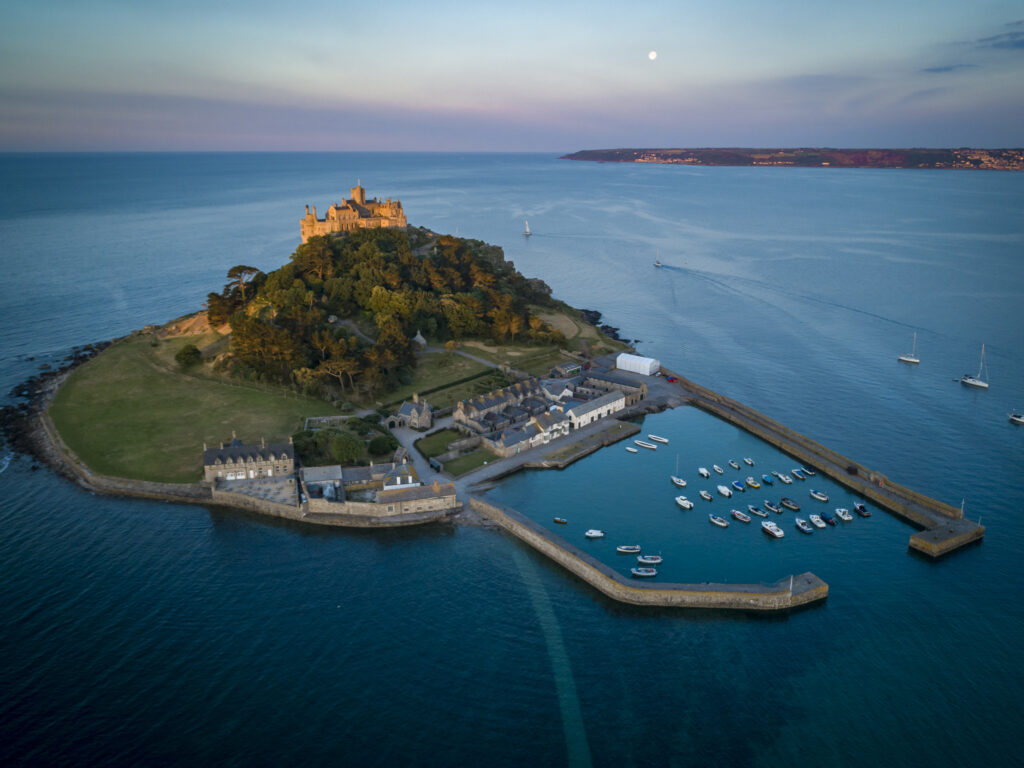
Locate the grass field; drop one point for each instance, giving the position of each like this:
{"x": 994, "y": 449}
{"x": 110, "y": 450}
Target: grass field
{"x": 434, "y": 369}
{"x": 437, "y": 442}
{"x": 125, "y": 414}
{"x": 465, "y": 463}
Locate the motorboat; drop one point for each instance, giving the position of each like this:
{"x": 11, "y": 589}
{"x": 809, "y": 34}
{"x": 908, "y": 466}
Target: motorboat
{"x": 772, "y": 507}
{"x": 628, "y": 549}
{"x": 803, "y": 525}
{"x": 748, "y": 461}
{"x": 977, "y": 381}
{"x": 733, "y": 464}
{"x": 756, "y": 511}
{"x": 738, "y": 486}
{"x": 775, "y": 473}
{"x": 844, "y": 514}
{"x": 1016, "y": 418}
{"x": 912, "y": 357}
{"x": 649, "y": 559}
{"x": 718, "y": 469}
{"x": 658, "y": 438}
{"x": 743, "y": 517}
{"x": 788, "y": 503}
{"x": 828, "y": 518}
{"x": 767, "y": 480}
{"x": 861, "y": 510}
{"x": 684, "y": 502}
{"x": 703, "y": 472}
{"x": 721, "y": 522}
{"x": 786, "y": 479}
{"x": 561, "y": 520}
{"x": 752, "y": 482}
{"x": 644, "y": 572}
{"x": 593, "y": 533}
{"x": 705, "y": 495}
{"x": 808, "y": 472}
{"x": 725, "y": 491}
{"x": 645, "y": 444}
{"x": 772, "y": 529}
{"x": 797, "y": 474}
{"x": 678, "y": 482}
{"x": 816, "y": 521}
{"x": 819, "y": 495}
{"x": 631, "y": 449}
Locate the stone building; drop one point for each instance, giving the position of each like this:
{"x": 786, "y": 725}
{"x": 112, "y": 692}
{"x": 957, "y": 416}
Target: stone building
{"x": 418, "y": 414}
{"x": 592, "y": 410}
{"x": 236, "y": 461}
{"x": 501, "y": 408}
{"x": 355, "y": 213}
{"x": 596, "y": 383}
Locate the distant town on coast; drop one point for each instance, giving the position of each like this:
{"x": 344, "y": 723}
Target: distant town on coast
{"x": 960, "y": 159}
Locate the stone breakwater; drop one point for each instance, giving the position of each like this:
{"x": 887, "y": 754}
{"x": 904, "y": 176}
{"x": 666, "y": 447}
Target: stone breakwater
{"x": 945, "y": 530}
{"x": 788, "y": 593}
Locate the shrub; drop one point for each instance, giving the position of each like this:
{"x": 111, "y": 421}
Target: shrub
{"x": 382, "y": 444}
{"x": 188, "y": 356}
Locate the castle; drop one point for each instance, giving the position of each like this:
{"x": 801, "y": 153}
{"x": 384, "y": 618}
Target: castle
{"x": 350, "y": 215}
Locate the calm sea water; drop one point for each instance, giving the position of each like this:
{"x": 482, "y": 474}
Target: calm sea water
{"x": 145, "y": 633}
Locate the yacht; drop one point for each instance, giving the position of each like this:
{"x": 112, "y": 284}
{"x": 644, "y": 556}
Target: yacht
{"x": 705, "y": 495}
{"x": 816, "y": 521}
{"x": 721, "y": 522}
{"x": 725, "y": 491}
{"x": 772, "y": 529}
{"x": 644, "y": 444}
{"x": 1016, "y": 418}
{"x": 657, "y": 438}
{"x": 676, "y": 479}
{"x": 703, "y": 472}
{"x": 526, "y": 228}
{"x": 912, "y": 358}
{"x": 594, "y": 533}
{"x": 844, "y": 514}
{"x": 819, "y": 495}
{"x": 803, "y": 525}
{"x": 643, "y": 572}
{"x": 733, "y": 464}
{"x": 772, "y": 507}
{"x": 649, "y": 559}
{"x": 743, "y": 517}
{"x": 977, "y": 381}
{"x": 684, "y": 502}
{"x": 628, "y": 549}
{"x": 718, "y": 469}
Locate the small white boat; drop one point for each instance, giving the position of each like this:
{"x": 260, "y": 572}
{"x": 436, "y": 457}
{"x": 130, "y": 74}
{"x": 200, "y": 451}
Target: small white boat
{"x": 797, "y": 473}
{"x": 786, "y": 479}
{"x": 649, "y": 559}
{"x": 628, "y": 549}
{"x": 819, "y": 495}
{"x": 803, "y": 525}
{"x": 733, "y": 464}
{"x": 843, "y": 514}
{"x": 977, "y": 381}
{"x": 911, "y": 358}
{"x": 775, "y": 473}
{"x": 658, "y": 438}
{"x": 678, "y": 482}
{"x": 816, "y": 521}
{"x": 645, "y": 444}
{"x": 748, "y": 461}
{"x": 772, "y": 529}
{"x": 703, "y": 472}
{"x": 631, "y": 449}
{"x": 705, "y": 495}
{"x": 526, "y": 228}
{"x": 756, "y": 511}
{"x": 718, "y": 469}
{"x": 721, "y": 522}
{"x": 1016, "y": 418}
{"x": 644, "y": 572}
{"x": 772, "y": 507}
{"x": 743, "y": 517}
{"x": 725, "y": 491}
{"x": 593, "y": 533}
{"x": 808, "y": 472}
{"x": 684, "y": 502}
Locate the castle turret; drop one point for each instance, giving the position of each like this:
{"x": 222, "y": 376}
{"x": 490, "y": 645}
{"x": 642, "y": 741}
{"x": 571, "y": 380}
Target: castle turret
{"x": 358, "y": 194}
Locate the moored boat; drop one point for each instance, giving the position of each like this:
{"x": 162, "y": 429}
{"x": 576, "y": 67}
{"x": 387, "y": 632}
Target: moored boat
{"x": 819, "y": 495}
{"x": 649, "y": 559}
{"x": 733, "y": 464}
{"x": 786, "y": 479}
{"x": 644, "y": 572}
{"x": 977, "y": 381}
{"x": 645, "y": 444}
{"x": 912, "y": 357}
{"x": 844, "y": 514}
{"x": 772, "y": 507}
{"x": 738, "y": 485}
{"x": 808, "y": 472}
{"x": 1016, "y": 418}
{"x": 788, "y": 503}
{"x": 718, "y": 469}
{"x": 703, "y": 472}
{"x": 631, "y": 449}
{"x": 748, "y": 461}
{"x": 775, "y": 473}
{"x": 561, "y": 520}
{"x": 594, "y": 533}
{"x": 767, "y": 480}
{"x": 743, "y": 517}
{"x": 752, "y": 482}
{"x": 828, "y": 518}
{"x": 628, "y": 549}
{"x": 678, "y": 482}
{"x": 756, "y": 511}
{"x": 803, "y": 525}
{"x": 772, "y": 529}
{"x": 658, "y": 438}
{"x": 721, "y": 522}
{"x": 684, "y": 502}
{"x": 725, "y": 491}
{"x": 861, "y": 510}
{"x": 816, "y": 521}
{"x": 797, "y": 474}
{"x": 705, "y": 495}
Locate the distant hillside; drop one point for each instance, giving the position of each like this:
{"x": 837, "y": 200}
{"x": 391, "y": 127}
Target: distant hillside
{"x": 969, "y": 159}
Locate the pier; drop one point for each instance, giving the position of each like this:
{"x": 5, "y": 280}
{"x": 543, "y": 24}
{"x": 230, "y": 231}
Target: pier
{"x": 943, "y": 527}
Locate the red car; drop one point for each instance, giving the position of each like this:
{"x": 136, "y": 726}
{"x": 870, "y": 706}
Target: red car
{"x": 671, "y": 379}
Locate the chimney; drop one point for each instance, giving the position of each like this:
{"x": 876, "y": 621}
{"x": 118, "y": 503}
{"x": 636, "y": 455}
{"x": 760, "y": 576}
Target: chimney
{"x": 307, "y": 210}
{"x": 263, "y": 442}
{"x": 233, "y": 435}
{"x": 415, "y": 397}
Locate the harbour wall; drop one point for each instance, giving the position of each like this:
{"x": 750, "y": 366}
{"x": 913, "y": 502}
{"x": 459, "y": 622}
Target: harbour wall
{"x": 783, "y": 595}
{"x": 944, "y": 524}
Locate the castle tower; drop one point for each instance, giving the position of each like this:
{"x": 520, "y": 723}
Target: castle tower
{"x": 358, "y": 194}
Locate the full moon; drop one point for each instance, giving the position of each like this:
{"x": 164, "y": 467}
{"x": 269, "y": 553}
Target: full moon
{"x": 652, "y": 55}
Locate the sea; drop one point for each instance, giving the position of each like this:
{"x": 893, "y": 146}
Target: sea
{"x": 143, "y": 633}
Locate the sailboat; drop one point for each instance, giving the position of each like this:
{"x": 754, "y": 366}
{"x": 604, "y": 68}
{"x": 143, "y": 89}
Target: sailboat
{"x": 977, "y": 381}
{"x": 676, "y": 479}
{"x": 912, "y": 357}
{"x": 526, "y": 228}
{"x": 657, "y": 259}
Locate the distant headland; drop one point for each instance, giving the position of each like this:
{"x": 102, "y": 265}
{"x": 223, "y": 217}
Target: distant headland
{"x": 817, "y": 157}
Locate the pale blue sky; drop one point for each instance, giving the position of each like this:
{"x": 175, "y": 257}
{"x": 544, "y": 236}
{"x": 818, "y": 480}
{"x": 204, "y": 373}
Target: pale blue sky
{"x": 551, "y": 76}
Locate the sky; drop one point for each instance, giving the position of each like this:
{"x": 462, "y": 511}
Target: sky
{"x": 135, "y": 75}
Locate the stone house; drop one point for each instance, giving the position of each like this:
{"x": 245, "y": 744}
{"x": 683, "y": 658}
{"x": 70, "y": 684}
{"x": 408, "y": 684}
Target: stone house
{"x": 604, "y": 405}
{"x": 418, "y": 414}
{"x": 499, "y": 409}
{"x": 236, "y": 461}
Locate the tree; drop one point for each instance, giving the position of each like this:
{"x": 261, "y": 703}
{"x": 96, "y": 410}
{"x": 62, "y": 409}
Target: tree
{"x": 346, "y": 449}
{"x": 239, "y": 277}
{"x": 382, "y": 444}
{"x": 188, "y": 356}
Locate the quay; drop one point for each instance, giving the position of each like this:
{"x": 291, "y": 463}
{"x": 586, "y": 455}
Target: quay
{"x": 785, "y": 594}
{"x": 943, "y": 527}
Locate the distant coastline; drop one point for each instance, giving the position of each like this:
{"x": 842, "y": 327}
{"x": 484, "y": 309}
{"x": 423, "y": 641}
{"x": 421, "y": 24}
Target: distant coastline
{"x": 809, "y": 157}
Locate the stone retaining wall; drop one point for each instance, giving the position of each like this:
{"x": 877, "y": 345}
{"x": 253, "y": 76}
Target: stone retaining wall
{"x": 785, "y": 594}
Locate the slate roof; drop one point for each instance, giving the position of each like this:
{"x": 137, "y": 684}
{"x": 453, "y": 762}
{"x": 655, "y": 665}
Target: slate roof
{"x": 611, "y": 377}
{"x": 597, "y": 402}
{"x": 416, "y": 493}
{"x": 328, "y": 474}
{"x": 237, "y": 452}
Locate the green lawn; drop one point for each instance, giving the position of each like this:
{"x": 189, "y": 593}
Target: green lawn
{"x": 125, "y": 414}
{"x": 464, "y": 464}
{"x": 433, "y": 369}
{"x": 437, "y": 442}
